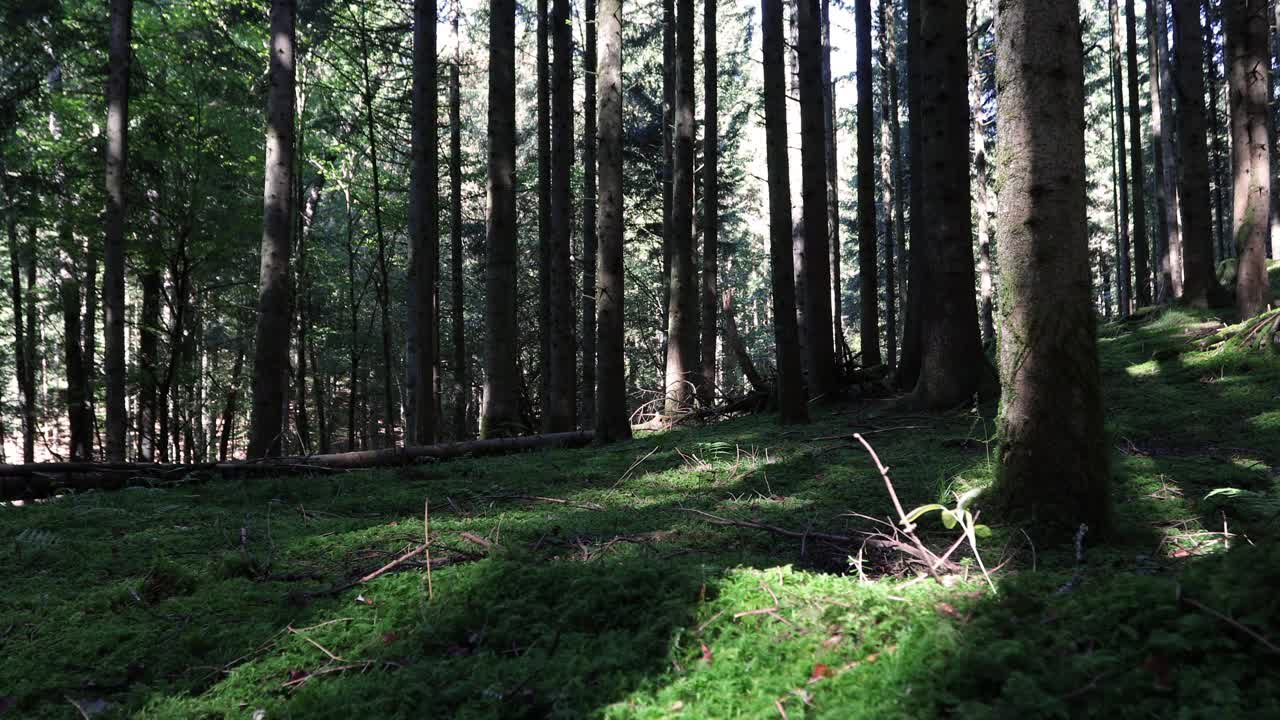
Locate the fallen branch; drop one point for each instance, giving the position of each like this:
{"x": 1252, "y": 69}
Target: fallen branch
{"x": 37, "y": 480}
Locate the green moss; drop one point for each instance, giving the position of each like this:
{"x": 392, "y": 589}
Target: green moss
{"x": 148, "y": 599}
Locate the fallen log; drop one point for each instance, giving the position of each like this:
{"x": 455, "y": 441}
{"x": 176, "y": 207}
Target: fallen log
{"x": 38, "y": 480}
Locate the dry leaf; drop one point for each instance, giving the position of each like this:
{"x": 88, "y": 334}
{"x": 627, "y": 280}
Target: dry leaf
{"x": 820, "y": 671}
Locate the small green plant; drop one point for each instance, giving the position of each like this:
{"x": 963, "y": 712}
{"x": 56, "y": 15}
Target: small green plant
{"x": 961, "y": 516}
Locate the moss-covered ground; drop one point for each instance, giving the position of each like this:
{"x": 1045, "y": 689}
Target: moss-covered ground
{"x": 212, "y": 600}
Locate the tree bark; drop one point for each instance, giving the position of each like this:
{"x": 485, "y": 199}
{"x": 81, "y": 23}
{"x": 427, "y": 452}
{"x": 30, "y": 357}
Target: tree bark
{"x": 668, "y": 155}
{"x": 1169, "y": 155}
{"x": 589, "y": 199}
{"x": 1160, "y": 245}
{"x": 368, "y": 94}
{"x": 542, "y": 64}
{"x": 1124, "y": 286}
{"x": 561, "y": 403}
{"x": 833, "y": 181}
{"x": 819, "y": 343}
{"x": 424, "y": 230}
{"x": 913, "y": 304}
{"x": 1053, "y": 459}
{"x": 977, "y": 92}
{"x": 114, "y": 244}
{"x": 23, "y": 330}
{"x": 1217, "y": 153}
{"x": 953, "y": 368}
{"x": 501, "y": 412}
{"x": 1200, "y": 286}
{"x": 461, "y": 366}
{"x": 305, "y": 223}
{"x": 890, "y": 175}
{"x": 868, "y": 271}
{"x": 1141, "y": 257}
{"x": 710, "y": 201}
{"x": 1248, "y": 76}
{"x": 682, "y": 327}
{"x": 611, "y": 421}
{"x": 271, "y": 351}
{"x": 791, "y": 396}
{"x": 739, "y": 348}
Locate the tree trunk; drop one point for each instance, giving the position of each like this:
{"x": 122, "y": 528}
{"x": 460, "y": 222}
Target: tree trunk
{"x": 977, "y": 93}
{"x": 23, "y": 330}
{"x": 1218, "y": 153}
{"x": 148, "y": 363}
{"x": 1169, "y": 139}
{"x": 868, "y": 271}
{"x": 1160, "y": 246}
{"x": 560, "y": 407}
{"x": 589, "y": 242}
{"x": 1141, "y": 258}
{"x": 461, "y": 375}
{"x": 682, "y": 327}
{"x": 354, "y": 309}
{"x": 710, "y": 201}
{"x": 1248, "y": 75}
{"x": 611, "y": 421}
{"x": 913, "y": 306}
{"x": 833, "y": 181}
{"x": 668, "y": 155}
{"x": 114, "y": 245}
{"x": 1124, "y": 285}
{"x": 271, "y": 351}
{"x": 952, "y": 366}
{"x": 791, "y": 398}
{"x": 890, "y": 174}
{"x": 1199, "y": 283}
{"x": 819, "y": 343}
{"x": 390, "y": 402}
{"x": 542, "y": 64}
{"x": 306, "y": 222}
{"x": 739, "y": 348}
{"x": 424, "y": 231}
{"x": 501, "y": 413}
{"x": 1053, "y": 459}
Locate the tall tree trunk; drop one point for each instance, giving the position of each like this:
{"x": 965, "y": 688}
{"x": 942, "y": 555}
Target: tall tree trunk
{"x": 306, "y": 222}
{"x": 1249, "y": 75}
{"x": 271, "y": 350}
{"x": 424, "y": 231}
{"x": 560, "y": 405}
{"x": 952, "y": 366}
{"x": 542, "y": 65}
{"x": 461, "y": 375}
{"x": 710, "y": 200}
{"x": 611, "y": 421}
{"x": 913, "y": 306}
{"x": 1200, "y": 286}
{"x": 589, "y": 242}
{"x": 501, "y": 412}
{"x": 1141, "y": 258}
{"x": 1053, "y": 459}
{"x": 390, "y": 402}
{"x": 114, "y": 245}
{"x": 890, "y": 173}
{"x": 1169, "y": 155}
{"x": 1124, "y": 284}
{"x": 819, "y": 344}
{"x": 833, "y": 181}
{"x": 668, "y": 154}
{"x": 868, "y": 273}
{"x": 1218, "y": 153}
{"x": 354, "y": 309}
{"x": 230, "y": 401}
{"x": 23, "y": 332}
{"x": 682, "y": 327}
{"x": 1160, "y": 244}
{"x": 791, "y": 398}
{"x": 149, "y": 363}
{"x": 977, "y": 93}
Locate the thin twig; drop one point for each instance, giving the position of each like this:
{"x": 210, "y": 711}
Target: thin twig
{"x": 426, "y": 543}
{"x": 1230, "y": 621}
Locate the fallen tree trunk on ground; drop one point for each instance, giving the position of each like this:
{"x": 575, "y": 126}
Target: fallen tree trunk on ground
{"x": 38, "y": 480}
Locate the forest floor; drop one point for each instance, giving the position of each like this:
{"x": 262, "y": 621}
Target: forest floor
{"x": 576, "y": 583}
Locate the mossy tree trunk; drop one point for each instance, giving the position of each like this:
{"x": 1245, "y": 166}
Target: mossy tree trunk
{"x": 1248, "y": 75}
{"x": 1053, "y": 453}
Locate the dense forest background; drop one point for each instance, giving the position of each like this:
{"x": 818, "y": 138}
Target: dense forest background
{"x": 197, "y": 88}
